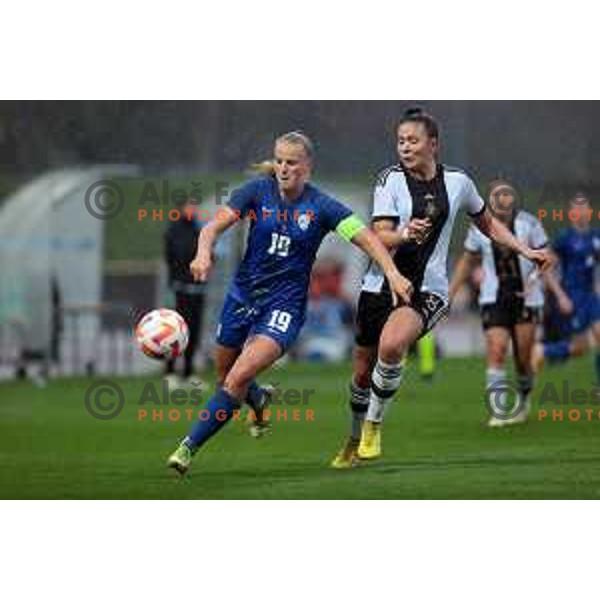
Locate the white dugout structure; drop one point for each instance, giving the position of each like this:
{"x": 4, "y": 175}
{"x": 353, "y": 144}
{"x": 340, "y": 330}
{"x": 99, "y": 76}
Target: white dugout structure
{"x": 51, "y": 249}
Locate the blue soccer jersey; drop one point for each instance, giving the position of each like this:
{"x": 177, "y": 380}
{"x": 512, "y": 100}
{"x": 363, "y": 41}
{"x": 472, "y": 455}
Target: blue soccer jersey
{"x": 578, "y": 252}
{"x": 283, "y": 240}
{"x": 269, "y": 292}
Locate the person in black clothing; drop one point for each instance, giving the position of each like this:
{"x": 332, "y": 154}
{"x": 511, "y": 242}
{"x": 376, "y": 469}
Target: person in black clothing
{"x": 181, "y": 239}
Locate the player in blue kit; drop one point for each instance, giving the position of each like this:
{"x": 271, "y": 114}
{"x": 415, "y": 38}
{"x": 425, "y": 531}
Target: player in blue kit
{"x": 265, "y": 307}
{"x": 578, "y": 250}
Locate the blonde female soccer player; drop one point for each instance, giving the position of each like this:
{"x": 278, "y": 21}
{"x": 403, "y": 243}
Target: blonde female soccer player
{"x": 266, "y": 303}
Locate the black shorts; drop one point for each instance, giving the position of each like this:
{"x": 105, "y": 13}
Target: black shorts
{"x": 375, "y": 308}
{"x": 509, "y": 314}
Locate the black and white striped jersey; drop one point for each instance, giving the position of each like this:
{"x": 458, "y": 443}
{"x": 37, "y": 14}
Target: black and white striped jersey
{"x": 507, "y": 275}
{"x": 401, "y": 197}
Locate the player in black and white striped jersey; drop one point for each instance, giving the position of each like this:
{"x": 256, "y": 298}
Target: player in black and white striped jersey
{"x": 511, "y": 297}
{"x": 415, "y": 206}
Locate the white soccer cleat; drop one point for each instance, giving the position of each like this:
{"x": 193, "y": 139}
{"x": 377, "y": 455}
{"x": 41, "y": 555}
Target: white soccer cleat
{"x": 521, "y": 417}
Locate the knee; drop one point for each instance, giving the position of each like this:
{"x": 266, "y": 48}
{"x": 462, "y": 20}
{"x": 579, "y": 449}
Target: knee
{"x": 392, "y": 350}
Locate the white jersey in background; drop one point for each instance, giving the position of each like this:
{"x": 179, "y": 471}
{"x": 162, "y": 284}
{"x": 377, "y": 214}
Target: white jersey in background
{"x": 504, "y": 272}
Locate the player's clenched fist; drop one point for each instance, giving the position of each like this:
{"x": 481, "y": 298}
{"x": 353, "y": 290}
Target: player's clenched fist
{"x": 542, "y": 258}
{"x": 201, "y": 266}
{"x": 400, "y": 287}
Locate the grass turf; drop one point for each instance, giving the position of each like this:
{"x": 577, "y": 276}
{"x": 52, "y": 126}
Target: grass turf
{"x": 434, "y": 445}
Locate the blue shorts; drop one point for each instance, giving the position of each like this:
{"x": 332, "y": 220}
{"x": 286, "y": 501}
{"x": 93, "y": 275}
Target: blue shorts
{"x": 587, "y": 312}
{"x": 276, "y": 320}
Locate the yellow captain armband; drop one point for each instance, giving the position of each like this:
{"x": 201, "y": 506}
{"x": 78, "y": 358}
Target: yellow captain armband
{"x": 347, "y": 228}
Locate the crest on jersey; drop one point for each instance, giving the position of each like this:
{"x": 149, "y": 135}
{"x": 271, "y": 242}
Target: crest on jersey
{"x": 303, "y": 222}
{"x": 431, "y": 209}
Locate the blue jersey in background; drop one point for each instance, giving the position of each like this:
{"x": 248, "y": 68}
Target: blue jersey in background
{"x": 578, "y": 253}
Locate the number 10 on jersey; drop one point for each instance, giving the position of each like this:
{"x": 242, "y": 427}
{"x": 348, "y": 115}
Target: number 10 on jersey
{"x": 280, "y": 244}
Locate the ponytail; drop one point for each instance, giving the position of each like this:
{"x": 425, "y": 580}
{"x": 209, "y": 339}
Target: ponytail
{"x": 265, "y": 168}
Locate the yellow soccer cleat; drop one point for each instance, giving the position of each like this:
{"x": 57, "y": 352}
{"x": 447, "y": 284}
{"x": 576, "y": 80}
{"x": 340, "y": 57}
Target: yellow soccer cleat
{"x": 370, "y": 441}
{"x": 346, "y": 458}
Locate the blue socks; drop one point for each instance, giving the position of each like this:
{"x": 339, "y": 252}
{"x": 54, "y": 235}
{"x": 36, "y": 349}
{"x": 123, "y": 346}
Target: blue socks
{"x": 597, "y": 363}
{"x": 557, "y": 350}
{"x": 220, "y": 409}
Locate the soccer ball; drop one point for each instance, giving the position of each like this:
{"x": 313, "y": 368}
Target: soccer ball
{"x": 162, "y": 333}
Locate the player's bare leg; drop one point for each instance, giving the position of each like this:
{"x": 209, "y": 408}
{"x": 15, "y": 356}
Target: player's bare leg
{"x": 402, "y": 329}
{"x": 258, "y": 354}
{"x": 523, "y": 337}
{"x": 224, "y": 359}
{"x": 496, "y": 343}
{"x": 537, "y": 358}
{"x": 577, "y": 346}
{"x": 363, "y": 358}
{"x": 257, "y": 398}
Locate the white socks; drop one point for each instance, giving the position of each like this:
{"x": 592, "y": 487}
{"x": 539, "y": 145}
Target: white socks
{"x": 497, "y": 400}
{"x": 385, "y": 381}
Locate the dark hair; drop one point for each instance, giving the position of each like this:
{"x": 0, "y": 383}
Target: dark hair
{"x": 418, "y": 115}
{"x": 579, "y": 198}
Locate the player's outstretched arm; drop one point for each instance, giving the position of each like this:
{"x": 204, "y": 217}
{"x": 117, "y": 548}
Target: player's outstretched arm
{"x": 370, "y": 244}
{"x": 552, "y": 283}
{"x": 462, "y": 270}
{"x": 203, "y": 263}
{"x": 392, "y": 236}
{"x": 501, "y": 234}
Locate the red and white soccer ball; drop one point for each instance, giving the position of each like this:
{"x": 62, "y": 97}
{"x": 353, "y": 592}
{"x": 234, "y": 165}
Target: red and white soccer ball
{"x": 162, "y": 333}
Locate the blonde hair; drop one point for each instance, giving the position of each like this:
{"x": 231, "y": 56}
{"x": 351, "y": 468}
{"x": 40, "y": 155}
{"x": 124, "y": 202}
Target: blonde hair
{"x": 297, "y": 138}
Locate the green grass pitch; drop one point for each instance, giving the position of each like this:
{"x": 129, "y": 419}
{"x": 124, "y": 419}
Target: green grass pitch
{"x": 434, "y": 445}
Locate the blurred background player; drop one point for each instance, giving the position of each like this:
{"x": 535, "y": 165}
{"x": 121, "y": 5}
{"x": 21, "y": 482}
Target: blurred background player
{"x": 577, "y": 249}
{"x": 181, "y": 240}
{"x": 511, "y": 297}
{"x": 415, "y": 206}
{"x": 265, "y": 307}
{"x": 327, "y": 333}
